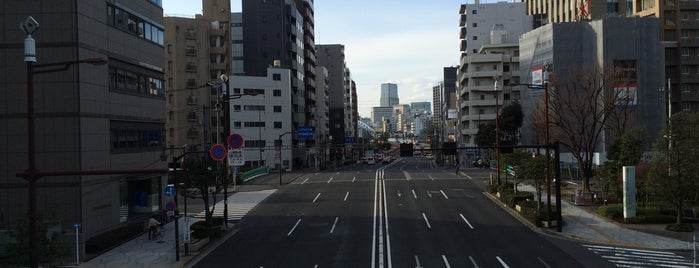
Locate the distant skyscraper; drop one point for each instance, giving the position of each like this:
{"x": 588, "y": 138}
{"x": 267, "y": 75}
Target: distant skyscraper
{"x": 389, "y": 95}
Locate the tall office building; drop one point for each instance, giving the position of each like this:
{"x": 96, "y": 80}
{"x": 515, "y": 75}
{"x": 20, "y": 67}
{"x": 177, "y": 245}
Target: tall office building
{"x": 332, "y": 57}
{"x": 108, "y": 117}
{"x": 389, "y": 95}
{"x": 196, "y": 56}
{"x": 677, "y": 34}
{"x": 284, "y": 31}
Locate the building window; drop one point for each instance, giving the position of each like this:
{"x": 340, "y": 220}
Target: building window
{"x": 256, "y": 91}
{"x": 685, "y": 51}
{"x": 254, "y": 107}
{"x": 236, "y": 108}
{"x": 277, "y": 109}
{"x": 136, "y": 137}
{"x": 474, "y": 25}
{"x": 475, "y": 37}
{"x": 475, "y": 51}
{"x": 685, "y": 69}
{"x": 276, "y": 77}
{"x": 685, "y": 34}
{"x": 236, "y": 124}
{"x": 277, "y": 92}
{"x": 686, "y": 106}
{"x": 474, "y": 12}
{"x": 685, "y": 16}
{"x": 254, "y": 124}
{"x": 277, "y": 124}
{"x": 236, "y": 90}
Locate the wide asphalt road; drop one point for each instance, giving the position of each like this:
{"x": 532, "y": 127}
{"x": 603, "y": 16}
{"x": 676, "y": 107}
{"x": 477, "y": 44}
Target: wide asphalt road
{"x": 409, "y": 213}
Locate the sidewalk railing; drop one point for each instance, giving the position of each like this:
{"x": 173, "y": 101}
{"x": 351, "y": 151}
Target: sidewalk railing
{"x": 254, "y": 173}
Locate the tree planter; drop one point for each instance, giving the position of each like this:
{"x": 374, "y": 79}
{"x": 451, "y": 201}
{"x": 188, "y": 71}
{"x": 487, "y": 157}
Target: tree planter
{"x": 198, "y": 244}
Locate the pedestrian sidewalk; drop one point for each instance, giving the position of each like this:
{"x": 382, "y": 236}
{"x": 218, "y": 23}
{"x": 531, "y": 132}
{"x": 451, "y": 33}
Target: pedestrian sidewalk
{"x": 142, "y": 252}
{"x": 580, "y": 224}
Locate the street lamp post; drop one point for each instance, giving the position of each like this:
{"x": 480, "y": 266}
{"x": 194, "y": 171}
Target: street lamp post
{"x": 29, "y": 26}
{"x": 545, "y": 87}
{"x": 497, "y": 133}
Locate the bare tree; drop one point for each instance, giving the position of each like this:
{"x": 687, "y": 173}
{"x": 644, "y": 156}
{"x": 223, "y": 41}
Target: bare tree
{"x": 581, "y": 105}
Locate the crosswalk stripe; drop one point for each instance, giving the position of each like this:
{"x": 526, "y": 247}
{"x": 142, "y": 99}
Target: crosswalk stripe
{"x": 630, "y": 257}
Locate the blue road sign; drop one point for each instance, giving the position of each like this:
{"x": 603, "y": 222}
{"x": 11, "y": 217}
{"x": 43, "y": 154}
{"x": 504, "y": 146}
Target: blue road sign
{"x": 304, "y": 132}
{"x": 170, "y": 190}
{"x": 170, "y": 205}
{"x": 349, "y": 139}
{"x": 218, "y": 152}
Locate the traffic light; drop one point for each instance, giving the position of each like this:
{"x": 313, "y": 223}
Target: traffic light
{"x": 406, "y": 149}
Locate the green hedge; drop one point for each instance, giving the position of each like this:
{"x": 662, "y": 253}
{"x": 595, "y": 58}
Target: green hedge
{"x": 200, "y": 229}
{"x": 612, "y": 211}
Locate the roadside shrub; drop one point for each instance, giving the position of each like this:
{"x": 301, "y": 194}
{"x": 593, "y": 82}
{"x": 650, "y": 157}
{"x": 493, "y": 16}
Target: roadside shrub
{"x": 530, "y": 211}
{"x": 492, "y": 188}
{"x": 685, "y": 227}
{"x": 512, "y": 199}
{"x": 200, "y": 229}
{"x": 612, "y": 211}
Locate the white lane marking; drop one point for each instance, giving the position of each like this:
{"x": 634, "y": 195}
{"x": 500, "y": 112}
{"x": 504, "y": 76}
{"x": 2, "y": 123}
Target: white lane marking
{"x": 353, "y": 179}
{"x": 399, "y": 193}
{"x": 543, "y": 262}
{"x": 445, "y": 195}
{"x": 376, "y": 208}
{"x": 314, "y": 199}
{"x": 414, "y": 194}
{"x": 385, "y": 213}
{"x": 331, "y": 179}
{"x": 337, "y": 172}
{"x": 475, "y": 265}
{"x": 346, "y": 195}
{"x": 446, "y": 263}
{"x": 428, "y": 193}
{"x": 504, "y": 265}
{"x": 316, "y": 266}
{"x": 335, "y": 223}
{"x": 469, "y": 224}
{"x": 426, "y": 221}
{"x": 430, "y": 177}
{"x": 305, "y": 180}
{"x": 292, "y": 229}
{"x": 417, "y": 262}
{"x": 407, "y": 175}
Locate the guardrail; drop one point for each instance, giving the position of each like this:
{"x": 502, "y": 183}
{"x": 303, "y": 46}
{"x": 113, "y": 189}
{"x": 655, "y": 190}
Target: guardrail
{"x": 254, "y": 173}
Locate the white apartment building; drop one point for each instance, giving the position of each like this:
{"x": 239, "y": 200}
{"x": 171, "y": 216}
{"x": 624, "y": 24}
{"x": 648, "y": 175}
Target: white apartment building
{"x": 261, "y": 119}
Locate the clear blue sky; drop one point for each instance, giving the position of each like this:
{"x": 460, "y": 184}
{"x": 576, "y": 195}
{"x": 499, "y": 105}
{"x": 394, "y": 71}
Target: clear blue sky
{"x": 403, "y": 42}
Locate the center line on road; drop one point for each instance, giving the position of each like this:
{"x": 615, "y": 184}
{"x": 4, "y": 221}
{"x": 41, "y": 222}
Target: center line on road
{"x": 469, "y": 224}
{"x": 346, "y": 195}
{"x": 445, "y": 261}
{"x": 305, "y": 180}
{"x": 504, "y": 265}
{"x": 292, "y": 229}
{"x": 335, "y": 223}
{"x": 445, "y": 195}
{"x": 314, "y": 199}
{"x": 331, "y": 179}
{"x": 475, "y": 265}
{"x": 426, "y": 221}
{"x": 414, "y": 194}
{"x": 542, "y": 261}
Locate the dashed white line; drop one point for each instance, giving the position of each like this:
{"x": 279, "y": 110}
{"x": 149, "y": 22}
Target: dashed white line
{"x": 354, "y": 178}
{"x": 543, "y": 262}
{"x": 430, "y": 177}
{"x": 331, "y": 179}
{"x": 346, "y": 195}
{"x": 414, "y": 194}
{"x": 475, "y": 265}
{"x": 464, "y": 218}
{"x": 504, "y": 265}
{"x": 417, "y": 262}
{"x": 446, "y": 262}
{"x": 292, "y": 229}
{"x": 305, "y": 180}
{"x": 426, "y": 221}
{"x": 337, "y": 172}
{"x": 314, "y": 199}
{"x": 445, "y": 195}
{"x": 335, "y": 223}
